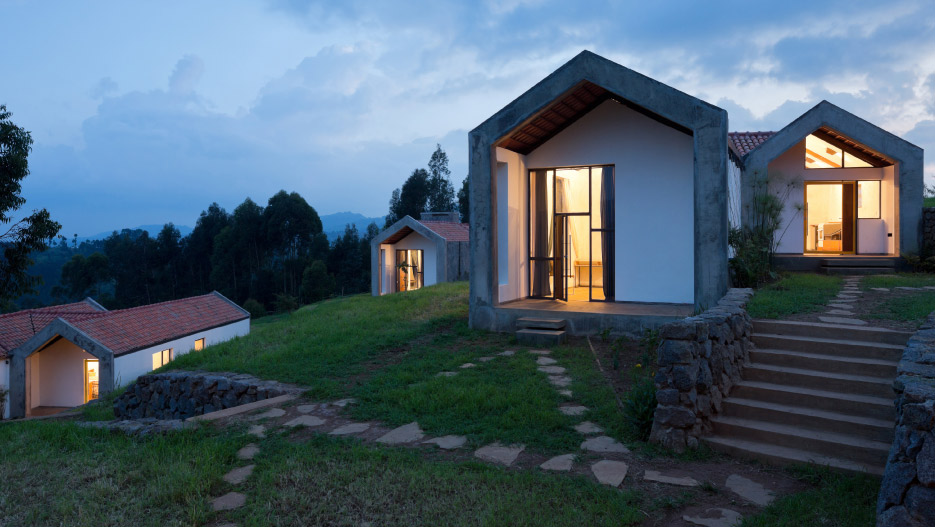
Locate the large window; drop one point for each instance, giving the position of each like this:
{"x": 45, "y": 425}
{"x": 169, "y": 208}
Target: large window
{"x": 161, "y": 358}
{"x": 822, "y": 154}
{"x": 868, "y": 200}
{"x": 409, "y": 269}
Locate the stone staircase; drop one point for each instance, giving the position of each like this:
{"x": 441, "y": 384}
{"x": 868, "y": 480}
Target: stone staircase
{"x": 814, "y": 392}
{"x": 540, "y": 331}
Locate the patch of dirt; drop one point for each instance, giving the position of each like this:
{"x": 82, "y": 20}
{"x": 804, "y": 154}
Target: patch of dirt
{"x": 617, "y": 357}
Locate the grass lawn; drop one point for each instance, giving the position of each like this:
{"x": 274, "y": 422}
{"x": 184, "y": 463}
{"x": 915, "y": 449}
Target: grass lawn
{"x": 928, "y": 202}
{"x": 61, "y": 474}
{"x": 916, "y": 306}
{"x": 339, "y": 482}
{"x": 325, "y": 346}
{"x": 794, "y": 293}
{"x": 898, "y": 280}
{"x": 836, "y": 500}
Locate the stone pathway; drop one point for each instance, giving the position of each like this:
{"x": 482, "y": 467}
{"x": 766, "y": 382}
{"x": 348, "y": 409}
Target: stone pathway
{"x": 841, "y": 310}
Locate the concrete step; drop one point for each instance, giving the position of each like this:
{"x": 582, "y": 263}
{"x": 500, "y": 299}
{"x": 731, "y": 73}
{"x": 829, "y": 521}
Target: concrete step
{"x": 540, "y": 337}
{"x": 828, "y": 346}
{"x": 885, "y": 369}
{"x": 781, "y": 455}
{"x": 858, "y": 405}
{"x": 844, "y": 446}
{"x": 863, "y": 271}
{"x": 885, "y": 263}
{"x": 540, "y": 323}
{"x": 807, "y": 417}
{"x": 831, "y": 331}
{"x": 835, "y": 382}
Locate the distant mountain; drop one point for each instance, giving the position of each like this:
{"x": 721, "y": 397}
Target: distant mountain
{"x": 334, "y": 224}
{"x": 153, "y": 231}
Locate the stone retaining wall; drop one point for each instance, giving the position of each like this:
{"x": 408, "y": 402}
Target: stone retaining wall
{"x": 700, "y": 358}
{"x": 907, "y": 493}
{"x": 928, "y": 230}
{"x": 183, "y": 394}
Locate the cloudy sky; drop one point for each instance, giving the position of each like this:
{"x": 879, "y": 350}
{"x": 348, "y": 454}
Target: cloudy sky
{"x": 146, "y": 112}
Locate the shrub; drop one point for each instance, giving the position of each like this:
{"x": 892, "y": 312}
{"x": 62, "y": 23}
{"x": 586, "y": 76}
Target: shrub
{"x": 255, "y": 308}
{"x": 639, "y": 406}
{"x": 317, "y": 284}
{"x": 286, "y": 303}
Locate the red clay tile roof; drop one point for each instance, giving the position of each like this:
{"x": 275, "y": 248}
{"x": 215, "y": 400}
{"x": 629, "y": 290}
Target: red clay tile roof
{"x": 127, "y": 330}
{"x": 744, "y": 142}
{"x": 450, "y": 231}
{"x": 16, "y": 328}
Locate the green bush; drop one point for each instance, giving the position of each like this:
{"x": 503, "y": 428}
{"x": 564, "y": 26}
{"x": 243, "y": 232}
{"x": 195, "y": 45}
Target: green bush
{"x": 286, "y": 303}
{"x": 639, "y": 405}
{"x": 255, "y": 308}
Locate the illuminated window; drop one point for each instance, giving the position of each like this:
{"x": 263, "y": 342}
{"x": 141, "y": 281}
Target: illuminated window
{"x": 868, "y": 199}
{"x": 199, "y": 344}
{"x": 409, "y": 269}
{"x": 822, "y": 154}
{"x": 161, "y": 358}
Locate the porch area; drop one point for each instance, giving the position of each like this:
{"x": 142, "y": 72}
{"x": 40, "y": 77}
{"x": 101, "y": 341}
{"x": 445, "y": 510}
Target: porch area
{"x": 591, "y": 318}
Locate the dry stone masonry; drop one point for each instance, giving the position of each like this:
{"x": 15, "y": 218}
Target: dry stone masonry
{"x": 928, "y": 229}
{"x": 700, "y": 358}
{"x": 907, "y": 493}
{"x": 183, "y": 394}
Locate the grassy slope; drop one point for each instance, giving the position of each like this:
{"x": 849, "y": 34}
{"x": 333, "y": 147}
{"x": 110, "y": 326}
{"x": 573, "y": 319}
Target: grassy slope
{"x": 898, "y": 280}
{"x": 792, "y": 294}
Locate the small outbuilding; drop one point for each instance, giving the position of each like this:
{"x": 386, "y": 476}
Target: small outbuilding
{"x": 412, "y": 253}
{"x": 63, "y": 356}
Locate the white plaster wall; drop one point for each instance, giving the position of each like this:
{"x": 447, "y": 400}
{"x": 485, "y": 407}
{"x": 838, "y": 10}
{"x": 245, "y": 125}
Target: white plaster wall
{"x": 654, "y": 171}
{"x": 787, "y": 175}
{"x": 512, "y": 233}
{"x": 61, "y": 370}
{"x": 429, "y": 264}
{"x": 130, "y": 366}
{"x": 5, "y": 385}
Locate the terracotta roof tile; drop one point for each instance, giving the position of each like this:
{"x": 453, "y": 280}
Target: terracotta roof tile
{"x": 744, "y": 142}
{"x": 450, "y": 231}
{"x": 16, "y": 328}
{"x": 127, "y": 330}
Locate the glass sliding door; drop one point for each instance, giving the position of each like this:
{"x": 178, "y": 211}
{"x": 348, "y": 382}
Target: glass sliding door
{"x": 409, "y": 269}
{"x": 571, "y": 245}
{"x": 831, "y": 217}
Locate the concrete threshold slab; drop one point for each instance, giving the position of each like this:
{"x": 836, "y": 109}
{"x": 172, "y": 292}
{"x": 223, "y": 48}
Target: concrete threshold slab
{"x": 237, "y": 410}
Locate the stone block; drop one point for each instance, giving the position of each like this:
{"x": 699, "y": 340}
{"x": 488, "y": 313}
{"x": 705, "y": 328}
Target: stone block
{"x": 667, "y": 396}
{"x": 920, "y": 503}
{"x": 925, "y": 461}
{"x": 684, "y": 377}
{"x": 675, "y": 416}
{"x": 679, "y": 330}
{"x": 675, "y": 352}
{"x": 896, "y": 478}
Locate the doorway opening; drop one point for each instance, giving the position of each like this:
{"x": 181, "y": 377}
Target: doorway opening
{"x": 571, "y": 233}
{"x": 409, "y": 269}
{"x": 831, "y": 217}
{"x": 91, "y": 379}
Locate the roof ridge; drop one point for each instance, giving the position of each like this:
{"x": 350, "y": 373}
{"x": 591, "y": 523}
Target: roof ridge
{"x": 164, "y": 302}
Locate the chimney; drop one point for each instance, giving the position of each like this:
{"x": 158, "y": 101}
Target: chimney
{"x": 451, "y": 216}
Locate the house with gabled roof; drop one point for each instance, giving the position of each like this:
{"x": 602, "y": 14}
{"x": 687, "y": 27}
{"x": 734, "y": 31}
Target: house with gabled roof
{"x": 63, "y": 356}
{"x": 411, "y": 253}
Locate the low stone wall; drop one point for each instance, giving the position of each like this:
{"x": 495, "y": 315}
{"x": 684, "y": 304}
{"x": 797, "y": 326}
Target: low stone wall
{"x": 907, "y": 493}
{"x": 928, "y": 230}
{"x": 183, "y": 394}
{"x": 700, "y": 358}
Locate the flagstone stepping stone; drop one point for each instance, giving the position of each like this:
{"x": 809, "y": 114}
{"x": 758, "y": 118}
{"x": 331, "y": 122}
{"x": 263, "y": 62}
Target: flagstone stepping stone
{"x": 306, "y": 408}
{"x": 560, "y": 381}
{"x": 840, "y": 306}
{"x": 257, "y": 431}
{"x": 501, "y": 454}
{"x": 610, "y": 472}
{"x": 573, "y": 409}
{"x": 239, "y": 475}
{"x": 715, "y": 517}
{"x": 247, "y": 452}
{"x": 344, "y": 402}
{"x": 403, "y": 434}
{"x": 486, "y": 359}
{"x": 560, "y": 463}
{"x": 839, "y": 320}
{"x": 929, "y": 287}
{"x": 552, "y": 370}
{"x": 507, "y": 353}
{"x": 839, "y": 312}
{"x": 448, "y": 442}
{"x": 305, "y": 420}
{"x": 659, "y": 477}
{"x": 446, "y": 374}
{"x": 587, "y": 427}
{"x": 272, "y": 412}
{"x": 604, "y": 444}
{"x": 566, "y": 393}
{"x": 350, "y": 428}
{"x": 750, "y": 490}
{"x": 229, "y": 501}
{"x": 905, "y": 288}
{"x": 844, "y": 300}
{"x": 545, "y": 361}
{"x": 540, "y": 352}
{"x": 467, "y": 365}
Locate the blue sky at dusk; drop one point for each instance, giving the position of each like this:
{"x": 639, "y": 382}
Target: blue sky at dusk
{"x": 146, "y": 112}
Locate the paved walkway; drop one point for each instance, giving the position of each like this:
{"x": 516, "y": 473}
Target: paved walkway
{"x": 841, "y": 308}
{"x": 607, "y": 458}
